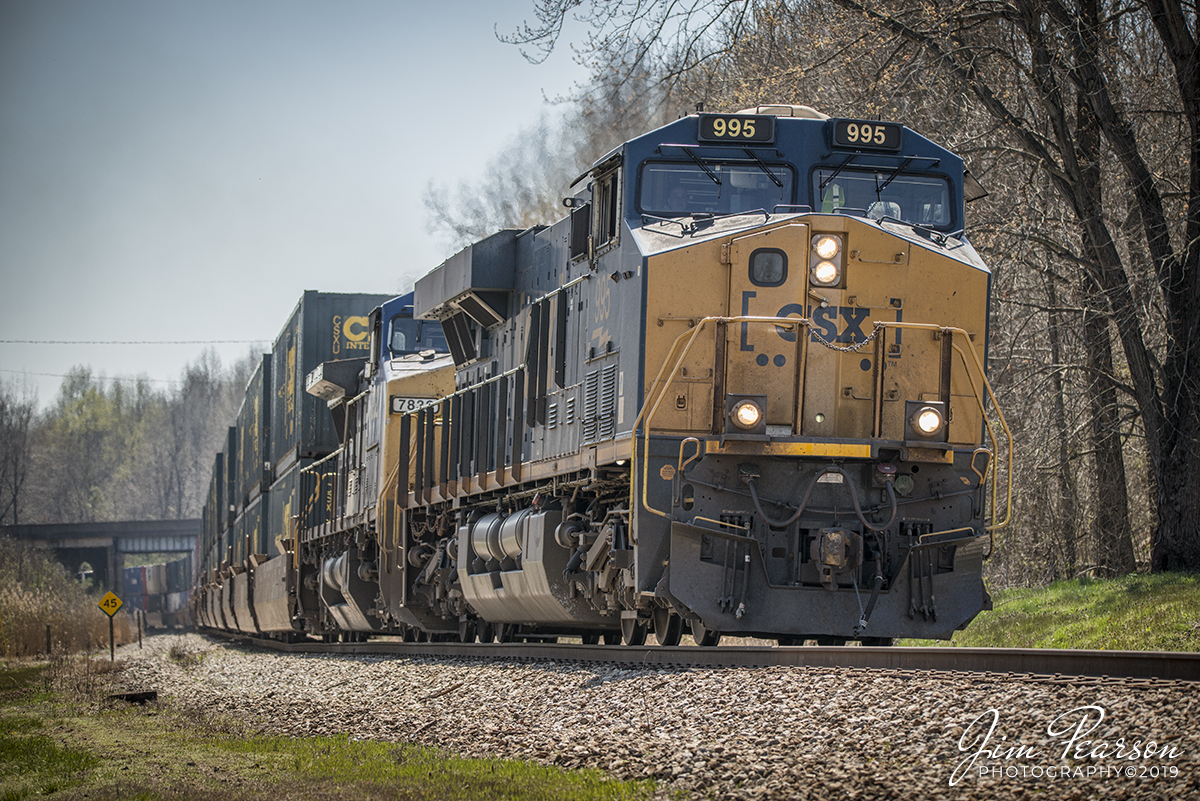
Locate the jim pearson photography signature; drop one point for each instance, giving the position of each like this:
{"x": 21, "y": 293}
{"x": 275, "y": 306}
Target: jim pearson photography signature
{"x": 1071, "y": 751}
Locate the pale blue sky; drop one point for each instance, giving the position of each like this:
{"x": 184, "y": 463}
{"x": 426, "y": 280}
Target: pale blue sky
{"x": 184, "y": 170}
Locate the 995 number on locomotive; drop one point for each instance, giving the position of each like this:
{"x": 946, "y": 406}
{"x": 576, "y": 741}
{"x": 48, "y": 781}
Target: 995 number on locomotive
{"x": 736, "y": 128}
{"x": 868, "y": 134}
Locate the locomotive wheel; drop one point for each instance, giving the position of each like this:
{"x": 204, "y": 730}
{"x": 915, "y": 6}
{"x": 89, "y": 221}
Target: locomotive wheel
{"x": 831, "y": 640}
{"x": 791, "y": 639}
{"x": 507, "y": 632}
{"x": 591, "y": 638}
{"x": 668, "y": 627}
{"x": 410, "y": 634}
{"x": 611, "y": 637}
{"x": 466, "y": 631}
{"x": 487, "y": 632}
{"x": 706, "y": 638}
{"x": 633, "y": 632}
{"x": 422, "y": 635}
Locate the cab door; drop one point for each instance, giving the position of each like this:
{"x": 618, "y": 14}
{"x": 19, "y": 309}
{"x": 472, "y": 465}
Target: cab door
{"x": 768, "y": 278}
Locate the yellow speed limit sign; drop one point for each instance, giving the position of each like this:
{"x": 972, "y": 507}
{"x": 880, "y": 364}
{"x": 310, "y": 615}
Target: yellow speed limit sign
{"x": 109, "y": 604}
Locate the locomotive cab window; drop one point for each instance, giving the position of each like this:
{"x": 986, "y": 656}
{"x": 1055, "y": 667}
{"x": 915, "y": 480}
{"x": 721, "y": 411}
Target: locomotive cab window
{"x": 917, "y": 199}
{"x": 413, "y": 336}
{"x": 608, "y": 209}
{"x": 669, "y": 189}
{"x": 581, "y": 230}
{"x": 768, "y": 267}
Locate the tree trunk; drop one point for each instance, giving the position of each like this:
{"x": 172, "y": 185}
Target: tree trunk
{"x": 1176, "y": 544}
{"x": 1110, "y": 532}
{"x": 1068, "y": 510}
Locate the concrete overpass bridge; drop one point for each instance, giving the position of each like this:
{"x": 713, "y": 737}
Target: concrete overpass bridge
{"x": 104, "y": 545}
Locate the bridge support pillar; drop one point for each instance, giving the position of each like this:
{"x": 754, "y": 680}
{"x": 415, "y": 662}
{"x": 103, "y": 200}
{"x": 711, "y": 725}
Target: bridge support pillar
{"x": 116, "y": 569}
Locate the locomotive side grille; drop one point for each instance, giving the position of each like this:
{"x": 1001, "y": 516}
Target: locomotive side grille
{"x": 570, "y": 412}
{"x": 608, "y": 402}
{"x": 591, "y": 396}
{"x": 552, "y": 416}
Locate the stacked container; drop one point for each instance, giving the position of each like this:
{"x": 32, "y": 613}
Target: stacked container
{"x": 254, "y": 466}
{"x": 253, "y": 435}
{"x": 323, "y": 327}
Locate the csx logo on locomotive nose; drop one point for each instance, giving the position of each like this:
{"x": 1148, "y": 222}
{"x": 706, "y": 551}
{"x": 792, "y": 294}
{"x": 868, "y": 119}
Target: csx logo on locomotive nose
{"x": 841, "y": 324}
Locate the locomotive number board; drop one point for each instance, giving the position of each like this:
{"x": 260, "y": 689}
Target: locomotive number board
{"x": 868, "y": 134}
{"x": 737, "y": 128}
{"x": 402, "y": 405}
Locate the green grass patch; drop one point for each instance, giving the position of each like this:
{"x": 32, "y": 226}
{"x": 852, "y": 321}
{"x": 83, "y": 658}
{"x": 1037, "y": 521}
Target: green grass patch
{"x": 386, "y": 770}
{"x": 77, "y": 744}
{"x": 19, "y": 678}
{"x": 1158, "y": 612}
{"x": 32, "y": 764}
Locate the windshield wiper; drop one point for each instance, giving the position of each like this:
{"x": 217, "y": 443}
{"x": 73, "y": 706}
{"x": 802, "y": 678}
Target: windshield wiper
{"x": 837, "y": 171}
{"x": 699, "y": 161}
{"x": 763, "y": 167}
{"x": 894, "y": 174}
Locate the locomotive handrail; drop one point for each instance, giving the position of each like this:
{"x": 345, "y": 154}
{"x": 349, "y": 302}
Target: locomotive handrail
{"x": 644, "y": 419}
{"x": 658, "y": 391}
{"x": 699, "y": 450}
{"x": 982, "y": 413}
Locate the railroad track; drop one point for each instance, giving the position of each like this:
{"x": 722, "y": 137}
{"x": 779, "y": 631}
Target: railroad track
{"x": 1053, "y": 664}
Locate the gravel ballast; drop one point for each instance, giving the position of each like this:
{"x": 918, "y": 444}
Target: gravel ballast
{"x": 791, "y": 732}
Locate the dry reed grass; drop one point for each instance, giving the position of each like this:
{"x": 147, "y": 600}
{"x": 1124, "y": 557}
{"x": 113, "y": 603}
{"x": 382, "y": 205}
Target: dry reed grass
{"x": 36, "y": 592}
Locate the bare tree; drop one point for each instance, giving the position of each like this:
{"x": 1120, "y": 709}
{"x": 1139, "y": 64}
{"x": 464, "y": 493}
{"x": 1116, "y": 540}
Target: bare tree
{"x": 18, "y": 408}
{"x": 1093, "y": 98}
{"x": 525, "y": 183}
{"x": 107, "y": 450}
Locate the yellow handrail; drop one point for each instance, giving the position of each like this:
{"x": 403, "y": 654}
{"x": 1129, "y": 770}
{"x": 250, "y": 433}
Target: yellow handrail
{"x": 658, "y": 390}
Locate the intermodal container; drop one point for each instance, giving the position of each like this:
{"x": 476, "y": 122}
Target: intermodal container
{"x": 232, "y": 494}
{"x": 253, "y": 434}
{"x": 284, "y": 503}
{"x": 215, "y": 514}
{"x": 322, "y": 327}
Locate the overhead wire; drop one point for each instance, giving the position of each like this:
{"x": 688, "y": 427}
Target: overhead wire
{"x": 130, "y": 341}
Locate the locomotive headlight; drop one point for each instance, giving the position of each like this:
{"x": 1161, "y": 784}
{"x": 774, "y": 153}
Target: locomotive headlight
{"x": 747, "y": 415}
{"x": 825, "y": 273}
{"x": 826, "y": 247}
{"x": 927, "y": 420}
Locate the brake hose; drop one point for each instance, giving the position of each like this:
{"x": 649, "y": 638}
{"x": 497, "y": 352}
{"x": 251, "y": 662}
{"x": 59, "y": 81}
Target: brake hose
{"x": 808, "y": 493}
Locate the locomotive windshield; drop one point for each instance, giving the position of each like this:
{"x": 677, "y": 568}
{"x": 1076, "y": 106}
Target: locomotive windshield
{"x": 413, "y": 336}
{"x": 918, "y": 199}
{"x": 674, "y": 189}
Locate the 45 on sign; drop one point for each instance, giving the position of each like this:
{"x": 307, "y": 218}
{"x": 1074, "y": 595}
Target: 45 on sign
{"x": 110, "y": 604}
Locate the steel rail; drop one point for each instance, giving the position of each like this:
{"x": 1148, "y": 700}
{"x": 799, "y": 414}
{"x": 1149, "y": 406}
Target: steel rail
{"x": 1161, "y": 665}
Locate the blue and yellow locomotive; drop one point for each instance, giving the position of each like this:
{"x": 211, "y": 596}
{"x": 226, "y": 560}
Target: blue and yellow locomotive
{"x": 739, "y": 389}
